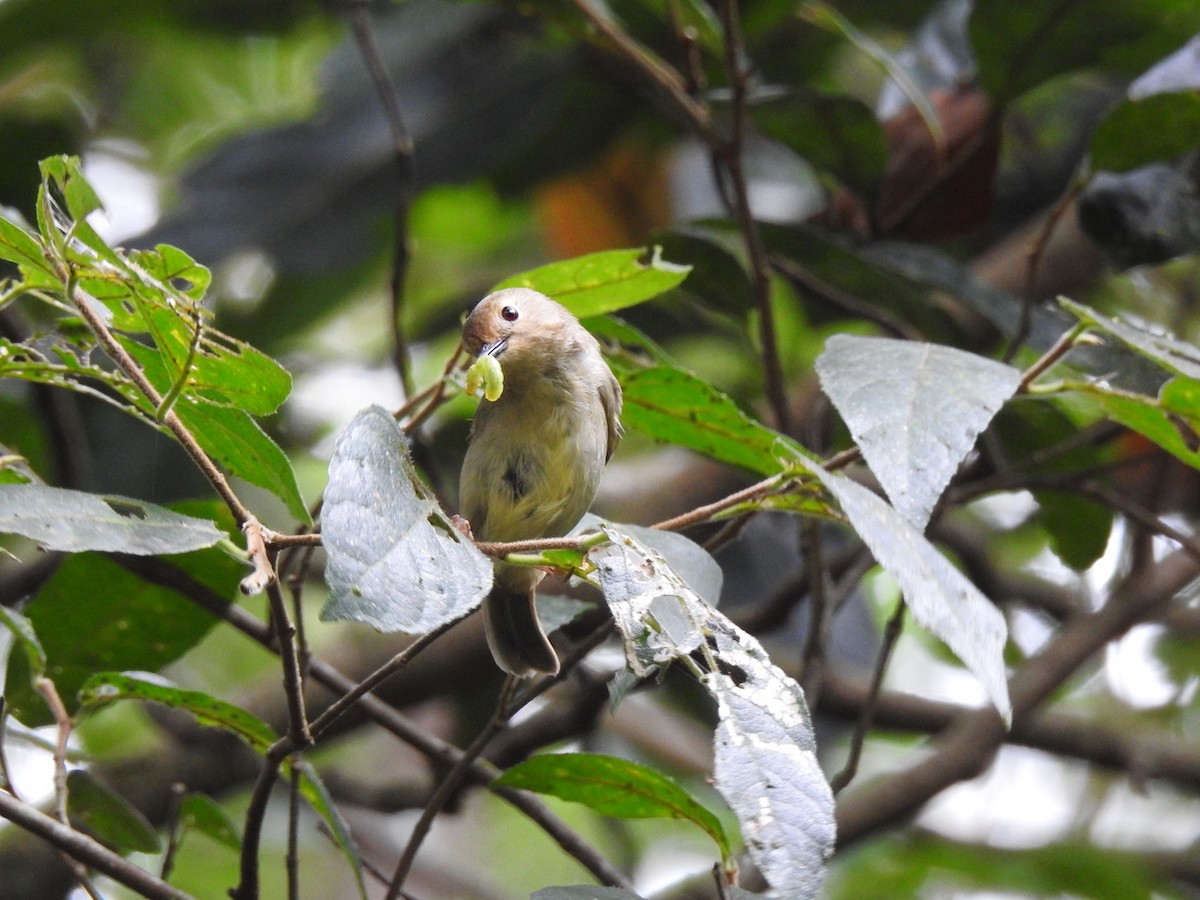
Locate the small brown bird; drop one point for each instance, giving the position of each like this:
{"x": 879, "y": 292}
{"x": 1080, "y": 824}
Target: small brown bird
{"x": 536, "y": 452}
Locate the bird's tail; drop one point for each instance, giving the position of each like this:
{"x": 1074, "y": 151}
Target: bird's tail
{"x": 514, "y": 633}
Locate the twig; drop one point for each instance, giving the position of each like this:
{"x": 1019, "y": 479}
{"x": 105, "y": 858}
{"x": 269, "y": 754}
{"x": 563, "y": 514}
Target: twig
{"x": 446, "y": 789}
{"x": 1060, "y": 349}
{"x": 1036, "y": 252}
{"x": 891, "y": 635}
{"x": 665, "y": 79}
{"x": 436, "y": 394}
{"x": 298, "y": 730}
{"x": 256, "y": 813}
{"x": 133, "y": 371}
{"x": 87, "y": 851}
{"x": 706, "y": 512}
{"x": 1142, "y": 756}
{"x": 812, "y": 658}
{"x": 264, "y": 573}
{"x": 376, "y": 678}
{"x": 46, "y": 690}
{"x": 1143, "y": 516}
{"x": 368, "y": 47}
{"x": 731, "y": 155}
{"x": 293, "y": 837}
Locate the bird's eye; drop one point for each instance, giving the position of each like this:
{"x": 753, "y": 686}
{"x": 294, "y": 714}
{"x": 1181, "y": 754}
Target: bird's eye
{"x": 509, "y": 314}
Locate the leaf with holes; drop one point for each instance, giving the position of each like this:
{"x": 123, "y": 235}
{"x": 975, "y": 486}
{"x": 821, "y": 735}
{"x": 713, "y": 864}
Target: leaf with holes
{"x": 767, "y": 768}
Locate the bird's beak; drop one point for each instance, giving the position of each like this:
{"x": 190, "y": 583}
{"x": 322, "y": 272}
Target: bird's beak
{"x": 495, "y": 348}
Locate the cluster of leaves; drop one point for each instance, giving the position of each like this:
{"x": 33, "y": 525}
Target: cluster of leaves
{"x": 128, "y": 328}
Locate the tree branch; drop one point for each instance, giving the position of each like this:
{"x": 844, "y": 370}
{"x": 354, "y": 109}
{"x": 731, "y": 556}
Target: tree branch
{"x": 82, "y": 848}
{"x": 967, "y": 745}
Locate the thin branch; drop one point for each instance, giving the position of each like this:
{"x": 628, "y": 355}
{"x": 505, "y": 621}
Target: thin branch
{"x": 298, "y": 730}
{"x": 381, "y": 713}
{"x": 256, "y": 814}
{"x": 87, "y": 851}
{"x": 1140, "y": 755}
{"x": 450, "y": 783}
{"x": 891, "y": 635}
{"x": 1060, "y": 349}
{"x": 812, "y": 660}
{"x": 968, "y": 744}
{"x": 368, "y": 48}
{"x": 293, "y": 836}
{"x": 706, "y": 512}
{"x": 665, "y": 79}
{"x": 129, "y": 367}
{"x": 376, "y": 678}
{"x": 1143, "y": 516}
{"x": 731, "y": 154}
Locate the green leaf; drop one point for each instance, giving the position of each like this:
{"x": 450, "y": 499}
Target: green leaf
{"x": 221, "y": 371}
{"x": 625, "y": 346}
{"x": 940, "y": 597}
{"x": 23, "y": 633}
{"x": 313, "y": 790}
{"x": 67, "y": 368}
{"x": 913, "y": 431}
{"x": 62, "y": 177}
{"x": 1169, "y": 352}
{"x": 602, "y": 282}
{"x": 109, "y": 687}
{"x": 1136, "y": 133}
{"x": 17, "y": 246}
{"x": 108, "y": 815}
{"x": 94, "y": 616}
{"x": 1079, "y": 528}
{"x": 64, "y": 171}
{"x": 676, "y": 407}
{"x": 202, "y": 813}
{"x": 613, "y": 787}
{"x": 831, "y": 267}
{"x": 1176, "y": 432}
{"x": 73, "y": 521}
{"x": 396, "y": 561}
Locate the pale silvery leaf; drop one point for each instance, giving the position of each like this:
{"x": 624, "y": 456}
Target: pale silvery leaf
{"x": 74, "y": 521}
{"x": 687, "y": 559}
{"x": 942, "y": 599}
{"x": 766, "y": 764}
{"x": 914, "y": 410}
{"x": 395, "y": 560}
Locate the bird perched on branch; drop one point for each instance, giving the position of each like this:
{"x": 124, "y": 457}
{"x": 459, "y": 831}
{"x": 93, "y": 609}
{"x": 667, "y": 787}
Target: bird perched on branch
{"x": 549, "y": 421}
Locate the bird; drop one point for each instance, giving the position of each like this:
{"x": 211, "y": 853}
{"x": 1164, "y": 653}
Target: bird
{"x": 535, "y": 453}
